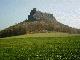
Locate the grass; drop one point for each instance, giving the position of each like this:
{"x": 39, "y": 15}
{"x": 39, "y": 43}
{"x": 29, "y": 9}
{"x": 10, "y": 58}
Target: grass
{"x": 40, "y": 48}
{"x": 49, "y": 34}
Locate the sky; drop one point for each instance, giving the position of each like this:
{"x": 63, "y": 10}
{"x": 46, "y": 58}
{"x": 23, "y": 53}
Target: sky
{"x": 15, "y": 11}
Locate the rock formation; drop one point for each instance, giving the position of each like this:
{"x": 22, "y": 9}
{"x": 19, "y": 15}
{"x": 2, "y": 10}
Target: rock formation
{"x": 38, "y": 22}
{"x": 38, "y": 15}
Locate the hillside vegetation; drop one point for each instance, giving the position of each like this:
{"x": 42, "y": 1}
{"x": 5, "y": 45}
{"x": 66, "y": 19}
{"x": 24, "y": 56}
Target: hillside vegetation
{"x": 48, "y": 34}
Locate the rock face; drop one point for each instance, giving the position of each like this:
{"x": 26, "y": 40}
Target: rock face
{"x": 38, "y": 15}
{"x": 30, "y": 17}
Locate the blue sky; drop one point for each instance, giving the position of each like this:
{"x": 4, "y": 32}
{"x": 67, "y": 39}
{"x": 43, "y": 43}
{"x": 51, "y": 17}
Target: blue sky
{"x": 15, "y": 11}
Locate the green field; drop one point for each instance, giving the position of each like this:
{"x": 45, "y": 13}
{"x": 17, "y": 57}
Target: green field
{"x": 48, "y": 34}
{"x": 43, "y": 47}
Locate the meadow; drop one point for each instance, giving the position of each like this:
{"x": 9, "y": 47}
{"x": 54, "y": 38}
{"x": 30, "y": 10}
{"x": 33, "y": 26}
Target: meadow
{"x": 42, "y": 47}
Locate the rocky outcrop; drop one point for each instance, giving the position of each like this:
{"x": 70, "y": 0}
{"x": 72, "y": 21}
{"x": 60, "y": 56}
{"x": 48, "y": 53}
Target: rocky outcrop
{"x": 38, "y": 15}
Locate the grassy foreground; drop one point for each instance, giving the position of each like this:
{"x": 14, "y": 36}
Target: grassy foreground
{"x": 40, "y": 48}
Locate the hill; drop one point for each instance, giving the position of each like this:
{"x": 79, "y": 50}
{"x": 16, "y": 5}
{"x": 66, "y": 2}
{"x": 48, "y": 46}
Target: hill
{"x": 38, "y": 22}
